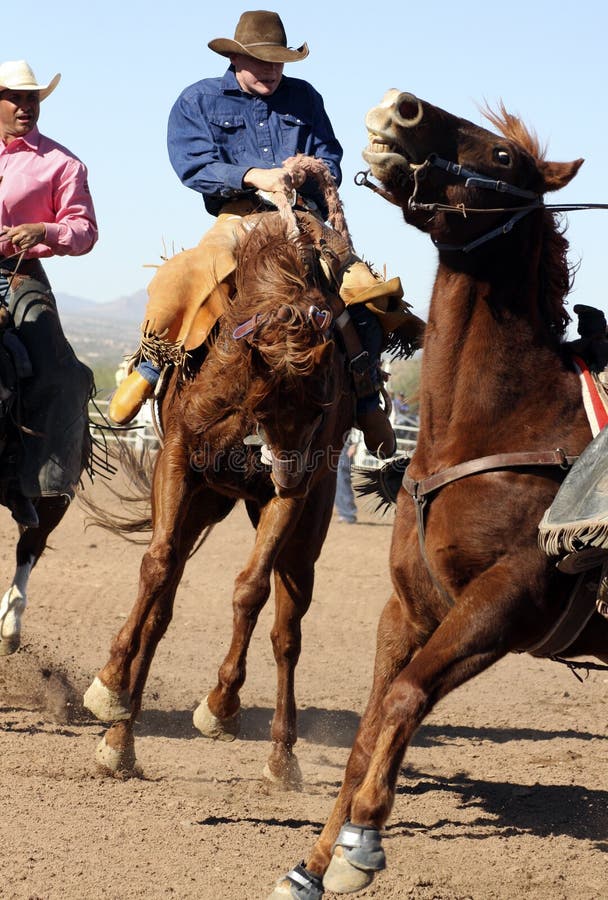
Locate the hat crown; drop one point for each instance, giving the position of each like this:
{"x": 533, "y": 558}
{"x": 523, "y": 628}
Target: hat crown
{"x": 16, "y": 72}
{"x": 261, "y": 35}
{"x": 260, "y": 26}
{"x": 18, "y": 75}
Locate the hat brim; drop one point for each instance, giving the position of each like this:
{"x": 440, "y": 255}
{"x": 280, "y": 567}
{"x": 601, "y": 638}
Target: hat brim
{"x": 266, "y": 52}
{"x": 44, "y": 92}
{"x": 43, "y": 89}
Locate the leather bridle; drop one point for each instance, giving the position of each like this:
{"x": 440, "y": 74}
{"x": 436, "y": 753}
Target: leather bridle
{"x": 472, "y": 179}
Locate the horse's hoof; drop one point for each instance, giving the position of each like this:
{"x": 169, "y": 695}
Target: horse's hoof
{"x": 212, "y": 727}
{"x": 9, "y": 644}
{"x": 106, "y": 705}
{"x": 299, "y": 884}
{"x": 11, "y": 611}
{"x": 118, "y": 761}
{"x": 289, "y": 778}
{"x": 285, "y": 890}
{"x": 343, "y": 878}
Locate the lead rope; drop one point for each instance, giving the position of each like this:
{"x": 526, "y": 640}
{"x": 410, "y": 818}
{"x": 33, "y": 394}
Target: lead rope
{"x": 11, "y": 275}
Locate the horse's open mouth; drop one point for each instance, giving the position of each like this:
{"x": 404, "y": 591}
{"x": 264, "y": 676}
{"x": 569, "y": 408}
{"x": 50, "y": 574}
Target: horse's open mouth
{"x": 379, "y": 153}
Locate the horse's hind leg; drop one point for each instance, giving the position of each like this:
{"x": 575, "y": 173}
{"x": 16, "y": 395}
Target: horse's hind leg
{"x": 30, "y": 547}
{"x": 116, "y": 693}
{"x": 217, "y": 716}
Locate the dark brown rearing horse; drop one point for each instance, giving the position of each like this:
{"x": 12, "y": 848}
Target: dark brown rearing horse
{"x": 44, "y": 429}
{"x": 273, "y": 373}
{"x": 496, "y": 379}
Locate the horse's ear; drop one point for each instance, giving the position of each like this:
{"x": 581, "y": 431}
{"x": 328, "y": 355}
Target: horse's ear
{"x": 556, "y": 175}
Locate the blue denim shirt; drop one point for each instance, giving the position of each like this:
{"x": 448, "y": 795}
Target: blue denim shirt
{"x": 217, "y": 132}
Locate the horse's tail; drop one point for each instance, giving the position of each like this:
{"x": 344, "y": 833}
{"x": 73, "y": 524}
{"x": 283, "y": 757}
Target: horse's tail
{"x": 134, "y": 498}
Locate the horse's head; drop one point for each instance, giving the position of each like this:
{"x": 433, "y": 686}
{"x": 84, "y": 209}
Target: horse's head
{"x": 293, "y": 385}
{"x": 460, "y": 183}
{"x": 281, "y": 326}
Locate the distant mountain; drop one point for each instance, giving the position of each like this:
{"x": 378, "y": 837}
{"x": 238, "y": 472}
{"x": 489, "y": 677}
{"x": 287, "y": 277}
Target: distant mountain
{"x": 125, "y": 309}
{"x": 102, "y": 334}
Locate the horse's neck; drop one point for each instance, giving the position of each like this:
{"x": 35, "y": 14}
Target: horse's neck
{"x": 483, "y": 359}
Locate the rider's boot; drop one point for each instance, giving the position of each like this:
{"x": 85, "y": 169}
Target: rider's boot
{"x": 132, "y": 393}
{"x": 377, "y": 431}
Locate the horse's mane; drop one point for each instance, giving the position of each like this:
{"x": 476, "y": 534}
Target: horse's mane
{"x": 275, "y": 283}
{"x": 556, "y": 272}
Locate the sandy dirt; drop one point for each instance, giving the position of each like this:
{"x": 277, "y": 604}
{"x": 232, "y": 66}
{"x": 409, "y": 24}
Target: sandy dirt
{"x": 503, "y": 793}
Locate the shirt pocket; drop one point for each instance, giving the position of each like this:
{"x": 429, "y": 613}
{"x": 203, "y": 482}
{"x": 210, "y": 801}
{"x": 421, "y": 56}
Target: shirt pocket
{"x": 295, "y": 132}
{"x": 229, "y": 133}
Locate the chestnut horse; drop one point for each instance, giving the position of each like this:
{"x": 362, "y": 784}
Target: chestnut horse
{"x": 273, "y": 375}
{"x": 498, "y": 396}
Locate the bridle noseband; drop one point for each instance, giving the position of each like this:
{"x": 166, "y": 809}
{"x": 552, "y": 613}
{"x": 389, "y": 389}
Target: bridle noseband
{"x": 472, "y": 179}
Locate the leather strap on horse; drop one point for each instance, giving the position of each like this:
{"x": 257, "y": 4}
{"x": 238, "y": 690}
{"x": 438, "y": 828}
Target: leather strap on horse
{"x": 419, "y": 491}
{"x": 358, "y": 358}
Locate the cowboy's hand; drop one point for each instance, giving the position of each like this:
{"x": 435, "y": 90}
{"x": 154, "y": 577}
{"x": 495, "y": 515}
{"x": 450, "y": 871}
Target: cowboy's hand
{"x": 23, "y": 237}
{"x": 278, "y": 180}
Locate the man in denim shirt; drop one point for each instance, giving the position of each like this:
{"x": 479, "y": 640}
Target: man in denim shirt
{"x": 228, "y": 138}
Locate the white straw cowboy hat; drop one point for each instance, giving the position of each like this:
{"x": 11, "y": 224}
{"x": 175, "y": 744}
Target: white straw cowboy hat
{"x": 260, "y": 34}
{"x": 18, "y": 76}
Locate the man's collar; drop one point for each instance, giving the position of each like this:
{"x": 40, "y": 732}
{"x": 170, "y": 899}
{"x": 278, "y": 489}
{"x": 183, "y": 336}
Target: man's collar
{"x": 229, "y": 83}
{"x": 32, "y": 139}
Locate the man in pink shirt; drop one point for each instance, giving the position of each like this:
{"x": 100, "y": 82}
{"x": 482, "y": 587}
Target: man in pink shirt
{"x": 45, "y": 210}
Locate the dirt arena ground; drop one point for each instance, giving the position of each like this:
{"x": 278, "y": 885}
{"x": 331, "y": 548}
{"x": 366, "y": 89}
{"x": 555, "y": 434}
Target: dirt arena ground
{"x": 503, "y": 793}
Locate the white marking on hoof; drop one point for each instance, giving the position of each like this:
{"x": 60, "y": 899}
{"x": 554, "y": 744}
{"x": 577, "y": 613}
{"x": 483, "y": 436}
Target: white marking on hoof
{"x": 212, "y": 727}
{"x": 106, "y": 705}
{"x": 117, "y": 761}
{"x": 343, "y": 878}
{"x": 282, "y": 890}
{"x": 291, "y": 777}
{"x": 12, "y": 606}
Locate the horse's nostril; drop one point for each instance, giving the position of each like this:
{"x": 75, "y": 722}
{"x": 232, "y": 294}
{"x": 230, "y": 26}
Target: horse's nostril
{"x": 409, "y": 109}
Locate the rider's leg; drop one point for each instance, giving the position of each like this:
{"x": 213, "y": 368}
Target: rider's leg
{"x": 185, "y": 299}
{"x": 377, "y": 430}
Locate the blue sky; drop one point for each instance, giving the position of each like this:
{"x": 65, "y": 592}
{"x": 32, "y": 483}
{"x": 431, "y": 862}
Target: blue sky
{"x": 124, "y": 63}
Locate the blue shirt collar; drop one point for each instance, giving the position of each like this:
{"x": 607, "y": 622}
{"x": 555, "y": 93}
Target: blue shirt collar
{"x": 231, "y": 86}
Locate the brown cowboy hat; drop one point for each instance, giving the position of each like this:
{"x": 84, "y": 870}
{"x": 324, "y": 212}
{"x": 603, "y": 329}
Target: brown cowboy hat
{"x": 260, "y": 34}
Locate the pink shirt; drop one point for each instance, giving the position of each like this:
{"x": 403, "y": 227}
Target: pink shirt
{"x": 41, "y": 181}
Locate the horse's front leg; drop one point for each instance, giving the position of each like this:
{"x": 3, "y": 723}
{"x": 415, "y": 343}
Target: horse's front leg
{"x": 30, "y": 547}
{"x": 116, "y": 693}
{"x": 217, "y": 716}
{"x": 480, "y": 629}
{"x": 398, "y": 637}
{"x": 294, "y": 582}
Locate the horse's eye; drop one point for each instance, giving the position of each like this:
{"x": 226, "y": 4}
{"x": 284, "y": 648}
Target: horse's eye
{"x": 502, "y": 156}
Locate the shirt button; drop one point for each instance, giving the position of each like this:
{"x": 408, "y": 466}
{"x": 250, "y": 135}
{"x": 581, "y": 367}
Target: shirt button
{"x": 265, "y": 150}
{"x": 261, "y": 124}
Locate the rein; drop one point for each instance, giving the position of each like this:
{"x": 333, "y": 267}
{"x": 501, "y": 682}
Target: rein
{"x": 472, "y": 179}
{"x": 10, "y": 275}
